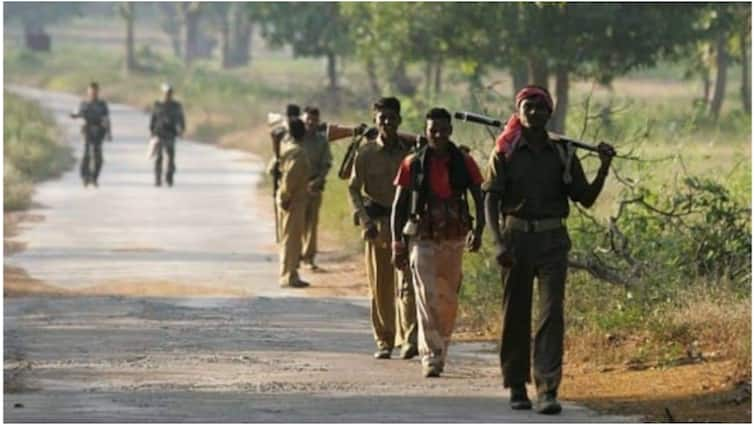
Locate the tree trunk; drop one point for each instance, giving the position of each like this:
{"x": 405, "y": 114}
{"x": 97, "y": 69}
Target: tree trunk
{"x": 332, "y": 73}
{"x": 558, "y": 119}
{"x": 128, "y": 16}
{"x": 438, "y": 76}
{"x": 745, "y": 90}
{"x": 225, "y": 47}
{"x": 538, "y": 71}
{"x": 372, "y": 77}
{"x": 705, "y": 76}
{"x": 191, "y": 31}
{"x": 428, "y": 78}
{"x": 519, "y": 76}
{"x": 241, "y": 35}
{"x": 333, "y": 79}
{"x": 722, "y": 64}
{"x": 402, "y": 82}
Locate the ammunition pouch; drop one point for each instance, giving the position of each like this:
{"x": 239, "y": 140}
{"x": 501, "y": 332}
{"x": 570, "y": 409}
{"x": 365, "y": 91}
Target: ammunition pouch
{"x": 444, "y": 219}
{"x": 375, "y": 210}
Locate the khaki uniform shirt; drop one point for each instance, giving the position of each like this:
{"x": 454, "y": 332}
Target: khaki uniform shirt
{"x": 295, "y": 170}
{"x": 317, "y": 148}
{"x": 531, "y": 183}
{"x": 375, "y": 166}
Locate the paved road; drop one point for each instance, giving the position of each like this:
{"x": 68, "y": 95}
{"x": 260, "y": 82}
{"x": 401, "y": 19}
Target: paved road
{"x": 265, "y": 356}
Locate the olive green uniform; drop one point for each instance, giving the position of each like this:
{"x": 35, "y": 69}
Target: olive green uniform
{"x": 317, "y": 148}
{"x": 294, "y": 170}
{"x": 534, "y": 190}
{"x": 371, "y": 191}
{"x": 167, "y": 122}
{"x": 96, "y": 127}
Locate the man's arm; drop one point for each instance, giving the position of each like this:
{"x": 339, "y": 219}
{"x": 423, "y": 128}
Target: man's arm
{"x": 399, "y": 213}
{"x": 494, "y": 187}
{"x": 153, "y": 120}
{"x": 106, "y": 122}
{"x": 356, "y": 183}
{"x": 181, "y": 120}
{"x": 580, "y": 190}
{"x": 476, "y": 241}
{"x": 337, "y": 132}
{"x": 399, "y": 216}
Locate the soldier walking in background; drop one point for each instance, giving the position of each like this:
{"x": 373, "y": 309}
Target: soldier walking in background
{"x": 431, "y": 211}
{"x": 371, "y": 192}
{"x": 530, "y": 180}
{"x": 294, "y": 171}
{"x": 317, "y": 148}
{"x": 96, "y": 127}
{"x": 166, "y": 123}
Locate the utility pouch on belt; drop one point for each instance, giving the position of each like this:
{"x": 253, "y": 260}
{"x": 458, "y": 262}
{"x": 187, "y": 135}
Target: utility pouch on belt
{"x": 375, "y": 210}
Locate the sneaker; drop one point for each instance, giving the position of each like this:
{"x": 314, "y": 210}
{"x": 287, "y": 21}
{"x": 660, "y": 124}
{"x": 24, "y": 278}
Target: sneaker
{"x": 547, "y": 404}
{"x": 409, "y": 351}
{"x": 431, "y": 371}
{"x": 519, "y": 399}
{"x": 383, "y": 353}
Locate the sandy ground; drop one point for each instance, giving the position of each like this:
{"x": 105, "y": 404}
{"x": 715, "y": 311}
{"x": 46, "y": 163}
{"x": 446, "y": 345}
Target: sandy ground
{"x": 130, "y": 303}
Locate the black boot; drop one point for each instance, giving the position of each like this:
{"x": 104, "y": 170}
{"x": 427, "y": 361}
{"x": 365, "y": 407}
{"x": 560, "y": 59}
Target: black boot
{"x": 519, "y": 399}
{"x": 547, "y": 403}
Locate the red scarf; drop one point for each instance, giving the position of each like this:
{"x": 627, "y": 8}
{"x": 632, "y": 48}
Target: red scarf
{"x": 513, "y": 129}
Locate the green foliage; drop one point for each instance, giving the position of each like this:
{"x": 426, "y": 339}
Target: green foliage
{"x": 31, "y": 150}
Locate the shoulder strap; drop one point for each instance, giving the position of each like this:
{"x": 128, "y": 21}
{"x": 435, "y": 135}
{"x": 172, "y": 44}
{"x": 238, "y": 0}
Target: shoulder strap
{"x": 566, "y": 153}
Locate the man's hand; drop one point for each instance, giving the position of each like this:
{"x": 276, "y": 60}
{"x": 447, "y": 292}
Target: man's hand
{"x": 474, "y": 240}
{"x": 370, "y": 231}
{"x": 400, "y": 255}
{"x": 285, "y": 204}
{"x": 361, "y": 128}
{"x": 606, "y": 153}
{"x": 503, "y": 256}
{"x": 316, "y": 185}
{"x": 109, "y": 137}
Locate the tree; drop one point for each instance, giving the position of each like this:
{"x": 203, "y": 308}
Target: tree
{"x": 34, "y": 17}
{"x": 126, "y": 10}
{"x": 311, "y": 29}
{"x": 190, "y": 13}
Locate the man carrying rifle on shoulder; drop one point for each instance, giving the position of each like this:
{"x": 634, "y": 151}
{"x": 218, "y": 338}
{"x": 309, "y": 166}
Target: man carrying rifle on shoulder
{"x": 531, "y": 178}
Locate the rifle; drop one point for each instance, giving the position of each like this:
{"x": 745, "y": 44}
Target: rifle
{"x": 485, "y": 120}
{"x": 344, "y": 172}
{"x": 276, "y": 136}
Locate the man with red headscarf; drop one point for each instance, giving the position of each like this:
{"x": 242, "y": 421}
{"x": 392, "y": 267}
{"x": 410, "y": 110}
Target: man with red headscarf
{"x": 531, "y": 178}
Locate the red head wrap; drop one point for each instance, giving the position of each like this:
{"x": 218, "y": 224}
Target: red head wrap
{"x": 513, "y": 129}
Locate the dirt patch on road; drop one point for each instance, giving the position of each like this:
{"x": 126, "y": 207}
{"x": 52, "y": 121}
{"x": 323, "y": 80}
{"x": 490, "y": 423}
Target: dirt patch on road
{"x": 701, "y": 392}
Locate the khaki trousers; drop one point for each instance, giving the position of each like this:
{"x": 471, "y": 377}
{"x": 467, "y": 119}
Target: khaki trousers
{"x": 436, "y": 267}
{"x": 311, "y": 220}
{"x": 383, "y": 278}
{"x": 291, "y": 231}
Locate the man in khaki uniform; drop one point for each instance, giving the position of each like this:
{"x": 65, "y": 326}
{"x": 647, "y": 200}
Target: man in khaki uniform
{"x": 317, "y": 148}
{"x": 431, "y": 196}
{"x": 294, "y": 171}
{"x": 371, "y": 191}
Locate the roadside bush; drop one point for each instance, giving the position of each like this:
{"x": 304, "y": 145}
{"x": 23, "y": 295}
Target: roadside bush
{"x": 31, "y": 148}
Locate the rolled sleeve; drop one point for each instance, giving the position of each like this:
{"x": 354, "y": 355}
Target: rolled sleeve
{"x": 495, "y": 176}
